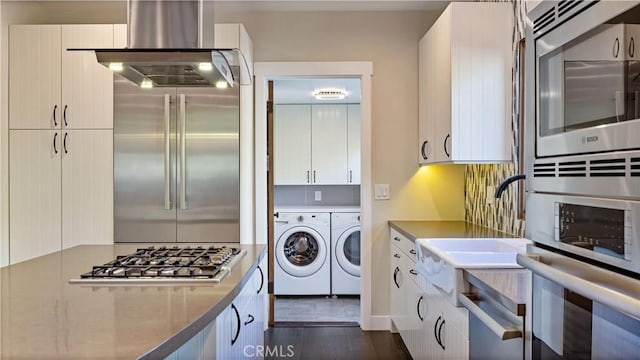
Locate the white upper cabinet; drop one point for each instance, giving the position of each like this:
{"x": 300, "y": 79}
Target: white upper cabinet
{"x": 52, "y": 88}
{"x": 465, "y": 85}
{"x": 353, "y": 133}
{"x": 329, "y": 144}
{"x": 317, "y": 144}
{"x": 292, "y": 144}
{"x": 34, "y": 77}
{"x": 87, "y": 86}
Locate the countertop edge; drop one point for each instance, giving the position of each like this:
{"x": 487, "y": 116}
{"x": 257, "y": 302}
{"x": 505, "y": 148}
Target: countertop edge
{"x": 173, "y": 343}
{"x": 398, "y": 228}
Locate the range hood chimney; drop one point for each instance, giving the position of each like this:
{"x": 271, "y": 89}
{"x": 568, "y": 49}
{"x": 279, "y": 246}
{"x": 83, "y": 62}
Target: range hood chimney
{"x": 168, "y": 45}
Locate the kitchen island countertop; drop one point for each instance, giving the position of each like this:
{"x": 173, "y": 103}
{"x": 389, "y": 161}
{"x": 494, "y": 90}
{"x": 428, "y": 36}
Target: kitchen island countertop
{"x": 416, "y": 229}
{"x": 44, "y": 316}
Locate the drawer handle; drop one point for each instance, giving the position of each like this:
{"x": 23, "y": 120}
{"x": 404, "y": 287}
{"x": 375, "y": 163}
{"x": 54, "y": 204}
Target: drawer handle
{"x": 396, "y": 238}
{"x": 418, "y": 308}
{"x": 251, "y": 319}
{"x": 413, "y": 272}
{"x": 235, "y": 337}
{"x": 261, "y": 280}
{"x": 396, "y": 256}
{"x": 503, "y": 333}
{"x": 395, "y": 277}
{"x": 412, "y": 252}
{"x": 435, "y": 330}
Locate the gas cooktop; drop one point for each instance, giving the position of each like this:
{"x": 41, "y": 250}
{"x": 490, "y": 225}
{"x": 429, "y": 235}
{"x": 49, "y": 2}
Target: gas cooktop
{"x": 166, "y": 265}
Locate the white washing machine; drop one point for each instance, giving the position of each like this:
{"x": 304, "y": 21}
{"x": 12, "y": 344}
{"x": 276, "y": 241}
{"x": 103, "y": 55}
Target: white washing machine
{"x": 303, "y": 265}
{"x": 345, "y": 253}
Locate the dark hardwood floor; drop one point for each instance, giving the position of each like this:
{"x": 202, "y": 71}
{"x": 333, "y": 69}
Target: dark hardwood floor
{"x": 333, "y": 342}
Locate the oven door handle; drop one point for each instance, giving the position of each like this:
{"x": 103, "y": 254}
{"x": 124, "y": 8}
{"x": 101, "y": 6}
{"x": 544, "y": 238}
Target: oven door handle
{"x": 601, "y": 294}
{"x": 503, "y": 332}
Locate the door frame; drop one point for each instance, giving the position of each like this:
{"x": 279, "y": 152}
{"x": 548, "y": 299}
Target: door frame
{"x": 265, "y": 71}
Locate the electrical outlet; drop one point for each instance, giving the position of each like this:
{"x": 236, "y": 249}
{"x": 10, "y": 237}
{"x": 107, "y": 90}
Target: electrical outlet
{"x": 382, "y": 192}
{"x": 318, "y": 195}
{"x": 491, "y": 197}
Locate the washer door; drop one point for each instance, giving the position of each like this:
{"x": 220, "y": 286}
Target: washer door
{"x": 301, "y": 251}
{"x": 348, "y": 251}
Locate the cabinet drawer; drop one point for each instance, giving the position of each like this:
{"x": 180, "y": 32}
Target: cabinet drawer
{"x": 406, "y": 245}
{"x": 408, "y": 266}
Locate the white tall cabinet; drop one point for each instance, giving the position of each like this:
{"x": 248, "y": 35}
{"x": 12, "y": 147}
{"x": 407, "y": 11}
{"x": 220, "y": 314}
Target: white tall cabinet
{"x": 465, "y": 85}
{"x": 317, "y": 144}
{"x": 60, "y": 138}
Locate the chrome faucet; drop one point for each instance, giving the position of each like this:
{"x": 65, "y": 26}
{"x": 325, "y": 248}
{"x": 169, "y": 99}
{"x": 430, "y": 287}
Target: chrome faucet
{"x": 506, "y": 182}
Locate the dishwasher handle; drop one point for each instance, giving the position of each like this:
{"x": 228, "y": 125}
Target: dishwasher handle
{"x": 503, "y": 333}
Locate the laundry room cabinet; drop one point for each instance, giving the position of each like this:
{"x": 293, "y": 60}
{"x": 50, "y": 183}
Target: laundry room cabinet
{"x": 317, "y": 144}
{"x": 60, "y": 138}
{"x": 465, "y": 85}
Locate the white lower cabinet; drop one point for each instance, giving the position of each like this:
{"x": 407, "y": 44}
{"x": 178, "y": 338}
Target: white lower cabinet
{"x": 238, "y": 332}
{"x": 430, "y": 326}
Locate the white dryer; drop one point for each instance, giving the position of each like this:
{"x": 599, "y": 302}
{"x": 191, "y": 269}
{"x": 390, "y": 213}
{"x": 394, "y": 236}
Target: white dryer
{"x": 302, "y": 264}
{"x": 345, "y": 253}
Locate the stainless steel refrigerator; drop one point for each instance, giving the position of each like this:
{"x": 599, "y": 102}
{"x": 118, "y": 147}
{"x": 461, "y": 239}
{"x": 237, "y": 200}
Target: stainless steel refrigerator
{"x": 176, "y": 163}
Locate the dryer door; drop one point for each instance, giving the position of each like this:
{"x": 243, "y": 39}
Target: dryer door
{"x": 301, "y": 251}
{"x": 348, "y": 251}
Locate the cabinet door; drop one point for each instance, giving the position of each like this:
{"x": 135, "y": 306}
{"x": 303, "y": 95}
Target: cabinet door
{"x": 329, "y": 144}
{"x": 426, "y": 98}
{"x": 87, "y": 187}
{"x": 604, "y": 43}
{"x": 87, "y": 86}
{"x": 353, "y": 133}
{"x": 442, "y": 36}
{"x": 292, "y": 144}
{"x": 416, "y": 315}
{"x": 34, "y": 196}
{"x": 398, "y": 280}
{"x": 34, "y": 77}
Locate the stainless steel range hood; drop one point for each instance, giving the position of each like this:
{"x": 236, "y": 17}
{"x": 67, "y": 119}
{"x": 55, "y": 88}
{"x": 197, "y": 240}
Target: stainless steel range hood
{"x": 168, "y": 45}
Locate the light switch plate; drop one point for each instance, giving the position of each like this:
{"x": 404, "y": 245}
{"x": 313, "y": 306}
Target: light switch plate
{"x": 382, "y": 191}
{"x": 318, "y": 195}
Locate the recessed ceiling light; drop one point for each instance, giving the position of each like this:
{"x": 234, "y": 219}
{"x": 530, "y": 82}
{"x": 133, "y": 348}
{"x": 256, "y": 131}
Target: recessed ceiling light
{"x": 329, "y": 94}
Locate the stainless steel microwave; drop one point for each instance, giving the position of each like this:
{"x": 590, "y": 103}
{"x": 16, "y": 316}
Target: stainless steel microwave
{"x": 582, "y": 98}
{"x": 588, "y": 77}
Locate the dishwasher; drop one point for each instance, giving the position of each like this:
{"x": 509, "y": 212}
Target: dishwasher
{"x": 496, "y": 322}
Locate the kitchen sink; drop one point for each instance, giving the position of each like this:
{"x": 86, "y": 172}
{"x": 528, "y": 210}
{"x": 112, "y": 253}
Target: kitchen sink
{"x": 442, "y": 261}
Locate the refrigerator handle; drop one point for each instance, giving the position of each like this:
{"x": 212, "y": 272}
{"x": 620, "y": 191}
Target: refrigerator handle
{"x": 182, "y": 150}
{"x": 167, "y": 152}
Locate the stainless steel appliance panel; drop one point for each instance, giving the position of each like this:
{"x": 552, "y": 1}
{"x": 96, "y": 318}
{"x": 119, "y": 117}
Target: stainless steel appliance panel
{"x": 171, "y": 24}
{"x": 544, "y": 222}
{"x": 144, "y": 164}
{"x": 208, "y": 164}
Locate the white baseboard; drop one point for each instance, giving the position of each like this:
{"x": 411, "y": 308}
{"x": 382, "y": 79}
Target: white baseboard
{"x": 379, "y": 322}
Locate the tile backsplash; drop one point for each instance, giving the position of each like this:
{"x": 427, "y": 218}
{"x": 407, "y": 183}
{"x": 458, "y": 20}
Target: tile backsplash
{"x": 503, "y": 213}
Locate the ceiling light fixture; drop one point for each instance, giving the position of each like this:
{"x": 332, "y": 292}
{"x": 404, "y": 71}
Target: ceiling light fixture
{"x": 205, "y": 66}
{"x": 116, "y": 66}
{"x": 329, "y": 94}
{"x": 221, "y": 84}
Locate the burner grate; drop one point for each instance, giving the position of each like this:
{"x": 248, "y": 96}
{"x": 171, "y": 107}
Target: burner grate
{"x": 166, "y": 263}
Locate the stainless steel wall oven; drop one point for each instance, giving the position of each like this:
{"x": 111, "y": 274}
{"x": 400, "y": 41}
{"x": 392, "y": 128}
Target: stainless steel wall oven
{"x": 582, "y": 154}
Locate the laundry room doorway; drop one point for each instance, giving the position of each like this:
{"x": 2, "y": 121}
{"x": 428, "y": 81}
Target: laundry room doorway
{"x": 316, "y": 132}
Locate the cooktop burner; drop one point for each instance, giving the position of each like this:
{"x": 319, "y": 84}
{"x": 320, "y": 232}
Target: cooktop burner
{"x": 166, "y": 264}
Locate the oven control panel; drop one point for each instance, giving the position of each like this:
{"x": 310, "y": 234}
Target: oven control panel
{"x": 602, "y": 230}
